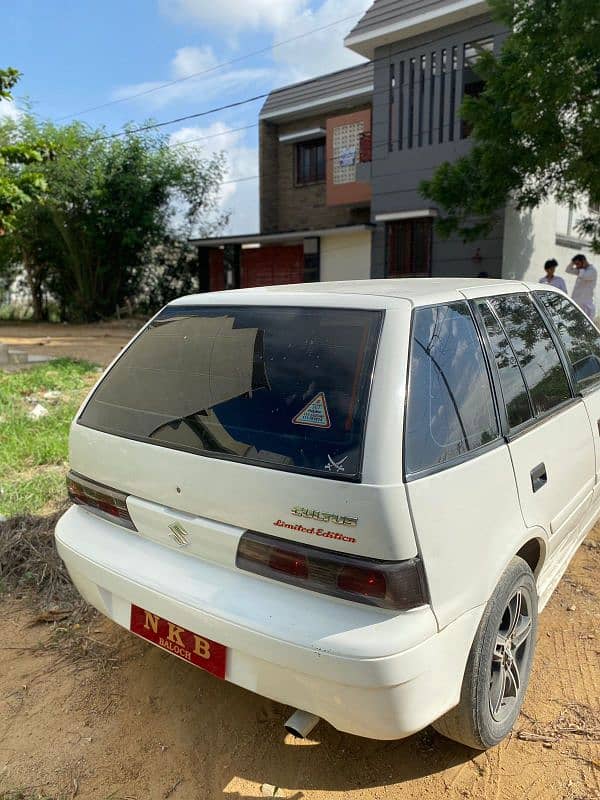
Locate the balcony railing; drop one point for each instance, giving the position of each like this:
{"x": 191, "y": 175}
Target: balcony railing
{"x": 365, "y": 148}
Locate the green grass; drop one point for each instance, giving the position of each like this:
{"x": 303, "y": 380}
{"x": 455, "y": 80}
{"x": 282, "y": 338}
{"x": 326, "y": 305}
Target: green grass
{"x": 33, "y": 454}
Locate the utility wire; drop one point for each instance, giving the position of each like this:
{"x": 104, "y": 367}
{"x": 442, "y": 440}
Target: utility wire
{"x": 210, "y": 69}
{"x": 152, "y": 126}
{"x": 213, "y": 135}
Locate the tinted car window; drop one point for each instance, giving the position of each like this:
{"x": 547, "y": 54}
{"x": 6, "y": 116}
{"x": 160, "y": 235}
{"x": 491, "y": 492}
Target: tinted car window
{"x": 450, "y": 409}
{"x": 514, "y": 391}
{"x": 534, "y": 349}
{"x": 286, "y": 388}
{"x": 579, "y": 336}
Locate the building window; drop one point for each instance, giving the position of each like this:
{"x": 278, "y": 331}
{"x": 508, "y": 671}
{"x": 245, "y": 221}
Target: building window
{"x": 432, "y": 96}
{"x": 451, "y": 121}
{"x": 401, "y": 105}
{"x": 444, "y": 69}
{"x": 310, "y": 161}
{"x": 408, "y": 251}
{"x": 422, "y": 69}
{"x": 391, "y": 115}
{"x": 473, "y": 86}
{"x": 411, "y": 101}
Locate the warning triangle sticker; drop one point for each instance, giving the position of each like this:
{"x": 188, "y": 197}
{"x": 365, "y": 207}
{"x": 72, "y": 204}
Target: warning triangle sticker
{"x": 314, "y": 414}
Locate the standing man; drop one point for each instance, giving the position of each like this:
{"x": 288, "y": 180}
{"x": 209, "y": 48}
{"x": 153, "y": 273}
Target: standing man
{"x": 585, "y": 285}
{"x": 550, "y": 278}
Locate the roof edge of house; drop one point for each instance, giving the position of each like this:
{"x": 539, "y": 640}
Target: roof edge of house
{"x": 267, "y": 238}
{"x": 365, "y": 42}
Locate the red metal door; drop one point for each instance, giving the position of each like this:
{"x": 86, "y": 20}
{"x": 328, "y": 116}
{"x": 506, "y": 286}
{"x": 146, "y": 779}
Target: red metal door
{"x": 272, "y": 265}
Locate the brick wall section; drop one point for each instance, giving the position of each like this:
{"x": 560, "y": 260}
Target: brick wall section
{"x": 268, "y": 166}
{"x": 284, "y": 206}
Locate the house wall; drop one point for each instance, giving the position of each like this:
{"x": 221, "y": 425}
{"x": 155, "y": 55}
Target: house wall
{"x": 398, "y": 168}
{"x": 532, "y": 237}
{"x": 346, "y": 257}
{"x": 286, "y": 206}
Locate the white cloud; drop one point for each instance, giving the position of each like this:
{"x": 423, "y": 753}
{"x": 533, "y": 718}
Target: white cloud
{"x": 323, "y": 51}
{"x": 188, "y": 61}
{"x": 306, "y": 57}
{"x": 234, "y": 14}
{"x": 8, "y": 110}
{"x": 240, "y": 198}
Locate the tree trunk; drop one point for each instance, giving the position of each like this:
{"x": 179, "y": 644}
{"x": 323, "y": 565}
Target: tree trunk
{"x": 35, "y": 283}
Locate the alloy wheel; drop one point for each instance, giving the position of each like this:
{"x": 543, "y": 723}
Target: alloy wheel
{"x": 511, "y": 655}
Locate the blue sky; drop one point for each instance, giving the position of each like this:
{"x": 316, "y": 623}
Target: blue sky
{"x": 77, "y": 54}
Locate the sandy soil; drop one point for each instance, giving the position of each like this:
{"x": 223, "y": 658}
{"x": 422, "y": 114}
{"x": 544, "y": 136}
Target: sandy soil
{"x": 98, "y": 343}
{"x": 152, "y": 726}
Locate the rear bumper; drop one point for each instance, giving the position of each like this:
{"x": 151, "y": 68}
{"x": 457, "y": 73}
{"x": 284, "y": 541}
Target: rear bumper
{"x": 367, "y": 672}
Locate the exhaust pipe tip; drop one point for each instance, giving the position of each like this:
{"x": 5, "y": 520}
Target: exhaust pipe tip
{"x": 301, "y": 723}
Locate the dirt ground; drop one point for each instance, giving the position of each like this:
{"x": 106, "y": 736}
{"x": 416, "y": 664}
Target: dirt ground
{"x": 98, "y": 343}
{"x": 147, "y": 725}
{"x": 143, "y": 725}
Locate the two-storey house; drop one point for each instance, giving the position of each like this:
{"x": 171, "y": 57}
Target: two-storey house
{"x": 342, "y": 157}
{"x": 315, "y": 215}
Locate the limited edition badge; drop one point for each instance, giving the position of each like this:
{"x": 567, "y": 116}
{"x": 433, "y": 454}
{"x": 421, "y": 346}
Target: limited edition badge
{"x": 314, "y": 414}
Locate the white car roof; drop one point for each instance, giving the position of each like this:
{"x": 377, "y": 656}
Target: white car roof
{"x": 417, "y": 291}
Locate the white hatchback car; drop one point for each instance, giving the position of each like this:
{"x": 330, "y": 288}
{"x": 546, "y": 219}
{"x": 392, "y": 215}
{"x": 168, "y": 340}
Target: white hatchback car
{"x": 352, "y": 498}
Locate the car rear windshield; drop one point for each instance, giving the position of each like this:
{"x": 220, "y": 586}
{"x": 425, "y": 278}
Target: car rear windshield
{"x": 285, "y": 388}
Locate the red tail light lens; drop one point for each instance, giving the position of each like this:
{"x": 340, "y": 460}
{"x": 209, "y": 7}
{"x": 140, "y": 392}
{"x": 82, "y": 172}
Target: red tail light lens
{"x": 99, "y": 499}
{"x": 370, "y": 582}
{"x": 397, "y": 585}
{"x": 284, "y": 561}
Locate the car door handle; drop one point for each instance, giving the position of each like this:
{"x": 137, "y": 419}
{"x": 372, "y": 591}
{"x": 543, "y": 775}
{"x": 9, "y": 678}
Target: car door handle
{"x": 539, "y": 477}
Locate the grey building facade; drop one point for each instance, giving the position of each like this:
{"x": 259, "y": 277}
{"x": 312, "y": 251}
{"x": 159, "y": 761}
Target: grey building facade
{"x": 423, "y": 54}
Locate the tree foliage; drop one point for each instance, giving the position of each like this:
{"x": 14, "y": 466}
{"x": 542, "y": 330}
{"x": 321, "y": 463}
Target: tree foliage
{"x": 20, "y": 179}
{"x": 111, "y": 205}
{"x": 536, "y": 126}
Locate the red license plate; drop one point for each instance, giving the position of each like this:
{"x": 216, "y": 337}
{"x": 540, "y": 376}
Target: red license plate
{"x": 189, "y": 646}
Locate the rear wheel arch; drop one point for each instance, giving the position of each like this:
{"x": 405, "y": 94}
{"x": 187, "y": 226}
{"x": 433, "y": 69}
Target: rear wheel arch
{"x": 533, "y": 552}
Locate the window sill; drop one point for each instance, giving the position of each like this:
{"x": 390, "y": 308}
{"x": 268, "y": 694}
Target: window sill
{"x": 308, "y": 183}
{"x": 571, "y": 241}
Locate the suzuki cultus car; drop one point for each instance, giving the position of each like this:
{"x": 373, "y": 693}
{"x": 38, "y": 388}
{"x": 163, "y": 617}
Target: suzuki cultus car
{"x": 352, "y": 498}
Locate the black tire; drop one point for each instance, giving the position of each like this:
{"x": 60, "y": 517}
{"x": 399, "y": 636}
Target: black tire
{"x": 490, "y": 699}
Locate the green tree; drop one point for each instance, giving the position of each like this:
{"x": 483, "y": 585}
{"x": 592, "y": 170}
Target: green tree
{"x": 111, "y": 204}
{"x": 20, "y": 179}
{"x": 535, "y": 127}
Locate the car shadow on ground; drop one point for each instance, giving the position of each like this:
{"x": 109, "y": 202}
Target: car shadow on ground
{"x": 337, "y": 762}
{"x": 228, "y": 734}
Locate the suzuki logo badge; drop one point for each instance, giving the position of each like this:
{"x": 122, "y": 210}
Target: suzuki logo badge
{"x": 179, "y": 534}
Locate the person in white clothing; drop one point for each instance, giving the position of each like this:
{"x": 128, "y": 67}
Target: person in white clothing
{"x": 550, "y": 278}
{"x": 585, "y": 285}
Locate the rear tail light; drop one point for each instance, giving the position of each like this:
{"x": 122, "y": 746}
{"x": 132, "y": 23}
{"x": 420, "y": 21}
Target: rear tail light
{"x": 100, "y": 500}
{"x": 396, "y": 585}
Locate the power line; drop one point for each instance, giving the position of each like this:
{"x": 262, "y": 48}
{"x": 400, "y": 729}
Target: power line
{"x": 153, "y": 125}
{"x": 210, "y": 69}
{"x": 262, "y": 96}
{"x": 213, "y": 135}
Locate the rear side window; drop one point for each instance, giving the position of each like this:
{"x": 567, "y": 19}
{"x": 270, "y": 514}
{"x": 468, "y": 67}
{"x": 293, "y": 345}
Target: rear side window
{"x": 535, "y": 351}
{"x": 579, "y": 337}
{"x": 285, "y": 388}
{"x": 450, "y": 409}
{"x": 514, "y": 391}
